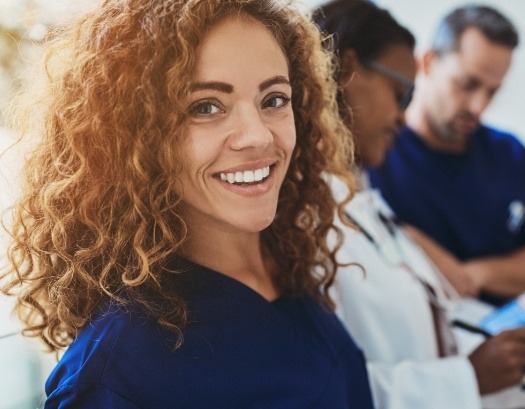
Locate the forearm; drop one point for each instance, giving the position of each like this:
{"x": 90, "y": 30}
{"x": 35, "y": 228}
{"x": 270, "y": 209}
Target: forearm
{"x": 452, "y": 268}
{"x": 503, "y": 274}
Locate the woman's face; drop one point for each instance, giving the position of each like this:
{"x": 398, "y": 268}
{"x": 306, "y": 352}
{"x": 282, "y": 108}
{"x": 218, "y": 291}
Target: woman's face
{"x": 241, "y": 130}
{"x": 375, "y": 99}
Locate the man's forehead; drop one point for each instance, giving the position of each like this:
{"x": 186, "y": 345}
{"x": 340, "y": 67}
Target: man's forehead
{"x": 474, "y": 41}
{"x": 479, "y": 56}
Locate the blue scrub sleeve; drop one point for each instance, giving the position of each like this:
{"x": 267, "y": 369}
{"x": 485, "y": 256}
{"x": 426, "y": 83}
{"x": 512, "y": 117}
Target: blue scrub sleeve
{"x": 87, "y": 396}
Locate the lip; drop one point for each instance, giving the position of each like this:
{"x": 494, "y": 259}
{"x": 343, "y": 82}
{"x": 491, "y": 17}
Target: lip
{"x": 252, "y": 165}
{"x": 467, "y": 122}
{"x": 251, "y": 189}
{"x": 467, "y": 127}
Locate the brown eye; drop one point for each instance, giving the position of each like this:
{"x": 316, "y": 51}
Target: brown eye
{"x": 276, "y": 101}
{"x": 205, "y": 108}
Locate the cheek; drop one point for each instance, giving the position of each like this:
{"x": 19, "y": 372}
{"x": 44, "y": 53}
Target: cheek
{"x": 447, "y": 94}
{"x": 381, "y": 112}
{"x": 188, "y": 163}
{"x": 291, "y": 141}
{"x": 200, "y": 150}
{"x": 374, "y": 108}
{"x": 455, "y": 100}
{"x": 287, "y": 136}
{"x": 446, "y": 101}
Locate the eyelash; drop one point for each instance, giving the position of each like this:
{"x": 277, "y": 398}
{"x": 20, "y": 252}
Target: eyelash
{"x": 194, "y": 108}
{"x": 286, "y": 101}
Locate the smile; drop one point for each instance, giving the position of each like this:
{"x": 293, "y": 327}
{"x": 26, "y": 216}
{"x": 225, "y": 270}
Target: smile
{"x": 248, "y": 176}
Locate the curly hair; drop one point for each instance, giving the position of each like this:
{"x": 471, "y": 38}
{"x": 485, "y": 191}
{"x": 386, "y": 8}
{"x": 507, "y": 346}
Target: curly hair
{"x": 99, "y": 216}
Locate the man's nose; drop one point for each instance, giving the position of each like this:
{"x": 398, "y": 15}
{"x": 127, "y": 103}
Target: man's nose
{"x": 479, "y": 102}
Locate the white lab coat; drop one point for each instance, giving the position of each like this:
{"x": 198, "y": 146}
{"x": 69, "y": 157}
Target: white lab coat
{"x": 387, "y": 312}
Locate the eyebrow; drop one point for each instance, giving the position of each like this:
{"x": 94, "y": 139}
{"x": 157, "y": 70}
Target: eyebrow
{"x": 228, "y": 88}
{"x": 279, "y": 79}
{"x": 213, "y": 85}
{"x": 474, "y": 80}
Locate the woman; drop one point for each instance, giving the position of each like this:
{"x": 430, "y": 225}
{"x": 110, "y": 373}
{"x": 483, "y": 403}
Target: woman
{"x": 397, "y": 309}
{"x": 175, "y": 211}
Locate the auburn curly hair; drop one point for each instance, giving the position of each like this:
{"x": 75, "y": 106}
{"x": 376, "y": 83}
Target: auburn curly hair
{"x": 99, "y": 216}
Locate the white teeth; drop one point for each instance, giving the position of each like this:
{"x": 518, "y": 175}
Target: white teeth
{"x": 248, "y": 176}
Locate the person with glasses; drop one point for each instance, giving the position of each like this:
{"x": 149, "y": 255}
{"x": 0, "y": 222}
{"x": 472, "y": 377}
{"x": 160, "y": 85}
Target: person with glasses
{"x": 386, "y": 78}
{"x": 390, "y": 295}
{"x": 454, "y": 178}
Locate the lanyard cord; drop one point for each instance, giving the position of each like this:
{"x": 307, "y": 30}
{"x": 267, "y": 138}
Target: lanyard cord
{"x": 391, "y": 226}
{"x": 389, "y": 223}
{"x": 445, "y": 339}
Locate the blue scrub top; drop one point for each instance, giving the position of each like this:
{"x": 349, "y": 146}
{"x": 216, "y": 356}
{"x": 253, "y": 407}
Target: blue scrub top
{"x": 472, "y": 203}
{"x": 239, "y": 351}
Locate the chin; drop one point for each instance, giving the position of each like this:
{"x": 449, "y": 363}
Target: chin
{"x": 375, "y": 161}
{"x": 257, "y": 226}
{"x": 253, "y": 221}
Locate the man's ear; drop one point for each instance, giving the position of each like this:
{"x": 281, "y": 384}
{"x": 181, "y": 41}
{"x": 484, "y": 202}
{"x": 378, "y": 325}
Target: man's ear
{"x": 349, "y": 65}
{"x": 425, "y": 62}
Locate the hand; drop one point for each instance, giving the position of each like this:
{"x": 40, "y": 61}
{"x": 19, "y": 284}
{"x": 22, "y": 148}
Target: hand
{"x": 499, "y": 361}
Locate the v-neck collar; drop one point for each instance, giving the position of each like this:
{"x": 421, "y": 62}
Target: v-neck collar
{"x": 208, "y": 291}
{"x": 205, "y": 277}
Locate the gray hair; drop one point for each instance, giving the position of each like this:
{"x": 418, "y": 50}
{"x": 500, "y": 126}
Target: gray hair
{"x": 494, "y": 25}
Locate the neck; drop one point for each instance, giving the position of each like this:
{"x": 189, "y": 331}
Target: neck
{"x": 418, "y": 120}
{"x": 239, "y": 255}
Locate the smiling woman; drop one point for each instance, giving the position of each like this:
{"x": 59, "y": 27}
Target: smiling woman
{"x": 241, "y": 124}
{"x": 174, "y": 229}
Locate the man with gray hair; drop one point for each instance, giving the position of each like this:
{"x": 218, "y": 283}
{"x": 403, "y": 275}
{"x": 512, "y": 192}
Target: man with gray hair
{"x": 456, "y": 180}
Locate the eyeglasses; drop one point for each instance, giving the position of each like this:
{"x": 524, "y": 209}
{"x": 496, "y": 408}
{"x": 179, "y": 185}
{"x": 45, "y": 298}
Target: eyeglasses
{"x": 397, "y": 77}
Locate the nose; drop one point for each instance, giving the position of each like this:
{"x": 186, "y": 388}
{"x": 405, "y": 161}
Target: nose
{"x": 249, "y": 130}
{"x": 479, "y": 102}
{"x": 400, "y": 118}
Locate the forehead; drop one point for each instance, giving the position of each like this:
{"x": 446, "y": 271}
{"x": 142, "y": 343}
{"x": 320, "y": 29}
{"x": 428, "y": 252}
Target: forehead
{"x": 481, "y": 57}
{"x": 238, "y": 44}
{"x": 400, "y": 58}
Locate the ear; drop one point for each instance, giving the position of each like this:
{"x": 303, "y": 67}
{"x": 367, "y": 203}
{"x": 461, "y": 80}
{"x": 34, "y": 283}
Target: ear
{"x": 426, "y": 61}
{"x": 349, "y": 64}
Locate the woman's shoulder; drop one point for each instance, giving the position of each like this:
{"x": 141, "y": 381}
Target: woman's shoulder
{"x": 124, "y": 354}
{"x": 117, "y": 337}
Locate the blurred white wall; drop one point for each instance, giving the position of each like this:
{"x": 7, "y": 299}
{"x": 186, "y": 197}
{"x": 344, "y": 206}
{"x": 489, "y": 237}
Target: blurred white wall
{"x": 421, "y": 17}
{"x": 23, "y": 367}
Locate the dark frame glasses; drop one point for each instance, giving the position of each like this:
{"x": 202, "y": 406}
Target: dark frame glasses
{"x": 397, "y": 77}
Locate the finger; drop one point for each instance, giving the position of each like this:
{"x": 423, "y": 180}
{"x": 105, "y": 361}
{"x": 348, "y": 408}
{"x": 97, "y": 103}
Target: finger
{"x": 515, "y": 333}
